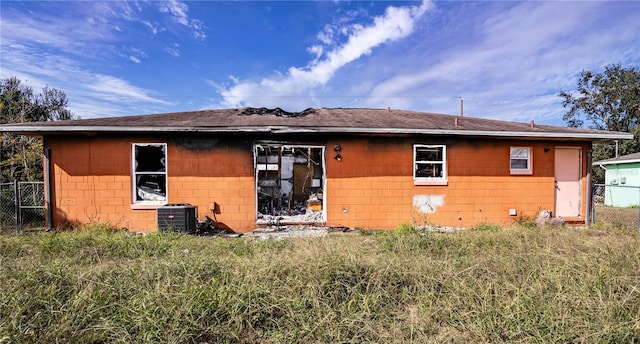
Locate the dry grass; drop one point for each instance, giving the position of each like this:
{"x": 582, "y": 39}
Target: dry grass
{"x": 500, "y": 285}
{"x": 618, "y": 217}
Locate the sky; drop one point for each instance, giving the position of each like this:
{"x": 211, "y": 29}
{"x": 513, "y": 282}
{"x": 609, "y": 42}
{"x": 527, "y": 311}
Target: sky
{"x": 506, "y": 60}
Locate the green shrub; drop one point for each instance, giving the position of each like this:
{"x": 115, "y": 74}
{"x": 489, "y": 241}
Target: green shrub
{"x": 486, "y": 227}
{"x": 406, "y": 228}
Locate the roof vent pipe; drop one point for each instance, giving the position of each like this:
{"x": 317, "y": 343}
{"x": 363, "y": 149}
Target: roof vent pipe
{"x": 455, "y": 122}
{"x": 532, "y": 123}
{"x": 461, "y": 102}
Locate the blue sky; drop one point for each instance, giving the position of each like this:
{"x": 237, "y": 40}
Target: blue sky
{"x": 507, "y": 59}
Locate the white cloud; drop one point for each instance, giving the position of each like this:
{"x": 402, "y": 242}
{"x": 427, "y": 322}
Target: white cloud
{"x": 139, "y": 52}
{"x": 316, "y": 50}
{"x": 507, "y": 60}
{"x": 132, "y": 54}
{"x": 69, "y": 36}
{"x": 90, "y": 94}
{"x": 326, "y": 36}
{"x": 61, "y": 48}
{"x": 515, "y": 66}
{"x": 155, "y": 28}
{"x": 173, "y": 50}
{"x": 112, "y": 88}
{"x": 299, "y": 84}
{"x": 179, "y": 11}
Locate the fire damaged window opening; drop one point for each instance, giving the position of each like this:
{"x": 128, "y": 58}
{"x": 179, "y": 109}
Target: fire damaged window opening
{"x": 430, "y": 164}
{"x": 290, "y": 183}
{"x": 149, "y": 173}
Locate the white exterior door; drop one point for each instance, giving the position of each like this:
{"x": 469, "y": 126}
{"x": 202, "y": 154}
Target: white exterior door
{"x": 567, "y": 181}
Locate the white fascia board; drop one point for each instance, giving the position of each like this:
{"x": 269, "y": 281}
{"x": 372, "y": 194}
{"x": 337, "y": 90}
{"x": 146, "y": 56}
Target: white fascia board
{"x": 617, "y": 162}
{"x": 602, "y": 136}
{"x": 317, "y": 130}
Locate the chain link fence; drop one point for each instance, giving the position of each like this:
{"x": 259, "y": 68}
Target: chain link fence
{"x": 618, "y": 205}
{"x": 22, "y": 205}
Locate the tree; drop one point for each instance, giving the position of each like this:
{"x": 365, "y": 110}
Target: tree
{"x": 606, "y": 101}
{"x": 21, "y": 156}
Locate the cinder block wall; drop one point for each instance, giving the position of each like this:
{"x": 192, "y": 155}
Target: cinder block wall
{"x": 92, "y": 182}
{"x": 372, "y": 187}
{"x": 223, "y": 175}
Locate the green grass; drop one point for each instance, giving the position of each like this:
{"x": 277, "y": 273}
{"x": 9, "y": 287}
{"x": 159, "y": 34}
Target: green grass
{"x": 521, "y": 284}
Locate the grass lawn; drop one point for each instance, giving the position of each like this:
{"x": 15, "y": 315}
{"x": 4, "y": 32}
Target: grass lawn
{"x": 518, "y": 284}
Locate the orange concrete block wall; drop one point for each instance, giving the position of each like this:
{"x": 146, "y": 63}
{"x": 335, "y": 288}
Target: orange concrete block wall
{"x": 92, "y": 182}
{"x": 372, "y": 186}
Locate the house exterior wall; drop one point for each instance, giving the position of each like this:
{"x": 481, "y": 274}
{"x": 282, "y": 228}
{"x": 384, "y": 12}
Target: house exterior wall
{"x": 380, "y": 193}
{"x": 371, "y": 187}
{"x": 622, "y": 187}
{"x": 92, "y": 182}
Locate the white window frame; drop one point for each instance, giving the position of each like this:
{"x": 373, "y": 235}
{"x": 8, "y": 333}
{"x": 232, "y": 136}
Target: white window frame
{"x": 515, "y": 153}
{"x": 147, "y": 204}
{"x": 440, "y": 180}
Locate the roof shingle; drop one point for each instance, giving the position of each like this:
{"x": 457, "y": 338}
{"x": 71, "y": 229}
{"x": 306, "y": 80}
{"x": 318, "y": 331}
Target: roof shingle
{"x": 321, "y": 120}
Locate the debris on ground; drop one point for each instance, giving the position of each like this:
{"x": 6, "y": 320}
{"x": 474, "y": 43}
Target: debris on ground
{"x": 296, "y": 231}
{"x": 545, "y": 218}
{"x": 308, "y": 216}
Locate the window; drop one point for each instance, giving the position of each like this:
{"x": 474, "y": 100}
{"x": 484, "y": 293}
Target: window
{"x": 520, "y": 160}
{"x": 149, "y": 173}
{"x": 430, "y": 165}
{"x": 290, "y": 181}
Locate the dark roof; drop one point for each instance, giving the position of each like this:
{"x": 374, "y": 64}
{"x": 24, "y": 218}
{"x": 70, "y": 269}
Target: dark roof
{"x": 628, "y": 158}
{"x": 322, "y": 120}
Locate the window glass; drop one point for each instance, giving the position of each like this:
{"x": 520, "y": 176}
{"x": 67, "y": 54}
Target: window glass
{"x": 520, "y": 160}
{"x": 150, "y": 173}
{"x": 519, "y": 164}
{"x": 429, "y": 154}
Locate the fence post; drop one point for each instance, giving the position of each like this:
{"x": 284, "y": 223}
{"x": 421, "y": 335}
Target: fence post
{"x": 16, "y": 196}
{"x": 48, "y": 186}
{"x": 593, "y": 204}
{"x": 589, "y": 202}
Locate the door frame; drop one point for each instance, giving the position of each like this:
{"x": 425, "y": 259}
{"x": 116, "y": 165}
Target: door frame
{"x": 580, "y": 176}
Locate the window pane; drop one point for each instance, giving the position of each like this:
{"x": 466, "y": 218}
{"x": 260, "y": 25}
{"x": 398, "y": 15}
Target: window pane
{"x": 519, "y": 164}
{"x": 151, "y": 187}
{"x": 429, "y": 154}
{"x": 519, "y": 152}
{"x": 150, "y": 158}
{"x": 429, "y": 170}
